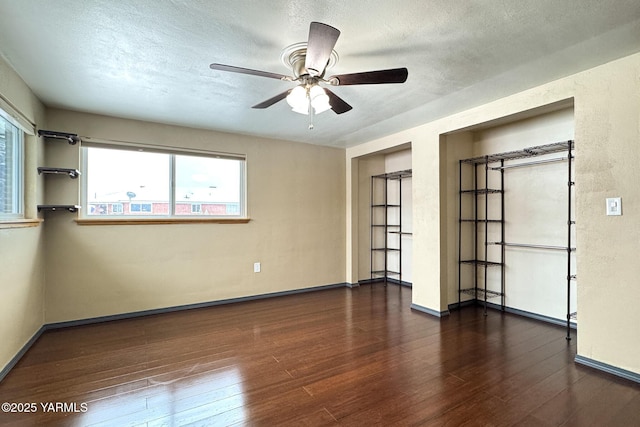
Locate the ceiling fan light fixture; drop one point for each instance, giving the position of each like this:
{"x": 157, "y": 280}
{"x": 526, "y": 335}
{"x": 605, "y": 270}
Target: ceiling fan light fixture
{"x": 298, "y": 100}
{"x": 319, "y": 99}
{"x": 304, "y": 110}
{"x": 302, "y": 97}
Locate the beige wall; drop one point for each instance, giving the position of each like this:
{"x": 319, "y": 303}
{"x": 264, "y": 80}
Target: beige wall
{"x": 21, "y": 257}
{"x": 607, "y": 131}
{"x": 352, "y": 224}
{"x": 397, "y": 161}
{"x": 296, "y": 201}
{"x": 607, "y": 117}
{"x": 368, "y": 167}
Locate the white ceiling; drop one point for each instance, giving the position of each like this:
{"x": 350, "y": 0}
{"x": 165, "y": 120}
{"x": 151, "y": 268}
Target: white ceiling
{"x": 149, "y": 59}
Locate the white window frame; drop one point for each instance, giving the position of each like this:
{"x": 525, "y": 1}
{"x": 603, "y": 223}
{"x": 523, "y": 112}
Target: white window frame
{"x": 17, "y": 177}
{"x": 172, "y": 152}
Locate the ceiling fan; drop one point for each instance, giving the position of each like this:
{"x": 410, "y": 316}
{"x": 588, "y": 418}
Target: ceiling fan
{"x": 308, "y": 62}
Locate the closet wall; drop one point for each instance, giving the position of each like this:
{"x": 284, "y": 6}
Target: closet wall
{"x": 394, "y": 162}
{"x": 369, "y": 166}
{"x": 535, "y": 212}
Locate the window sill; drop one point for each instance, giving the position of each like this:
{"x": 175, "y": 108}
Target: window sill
{"x": 20, "y": 223}
{"x": 156, "y": 221}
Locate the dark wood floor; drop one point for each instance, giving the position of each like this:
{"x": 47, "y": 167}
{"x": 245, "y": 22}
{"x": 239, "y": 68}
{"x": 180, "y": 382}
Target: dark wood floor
{"x": 334, "y": 357}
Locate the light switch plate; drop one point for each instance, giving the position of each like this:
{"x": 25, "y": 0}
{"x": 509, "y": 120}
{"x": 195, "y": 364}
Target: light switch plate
{"x": 614, "y": 206}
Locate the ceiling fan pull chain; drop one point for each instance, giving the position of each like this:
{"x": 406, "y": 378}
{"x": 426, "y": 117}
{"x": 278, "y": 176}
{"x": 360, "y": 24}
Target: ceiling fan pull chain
{"x": 311, "y": 111}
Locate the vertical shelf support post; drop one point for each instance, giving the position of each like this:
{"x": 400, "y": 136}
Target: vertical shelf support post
{"x": 570, "y": 184}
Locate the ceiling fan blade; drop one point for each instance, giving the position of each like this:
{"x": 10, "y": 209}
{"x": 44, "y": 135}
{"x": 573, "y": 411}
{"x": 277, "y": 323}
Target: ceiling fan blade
{"x": 394, "y": 75}
{"x": 322, "y": 39}
{"x": 231, "y": 68}
{"x": 269, "y": 102}
{"x": 338, "y": 105}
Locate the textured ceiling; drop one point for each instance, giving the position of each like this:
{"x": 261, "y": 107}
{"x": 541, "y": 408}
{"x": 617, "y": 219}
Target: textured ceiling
{"x": 149, "y": 59}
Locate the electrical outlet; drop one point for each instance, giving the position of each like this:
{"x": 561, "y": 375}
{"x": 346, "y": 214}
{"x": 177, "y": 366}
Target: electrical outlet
{"x": 256, "y": 267}
{"x": 614, "y": 206}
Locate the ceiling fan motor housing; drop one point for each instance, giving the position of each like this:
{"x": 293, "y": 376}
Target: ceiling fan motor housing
{"x": 296, "y": 62}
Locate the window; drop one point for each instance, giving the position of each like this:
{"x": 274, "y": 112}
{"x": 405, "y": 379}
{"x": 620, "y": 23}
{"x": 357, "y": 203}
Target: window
{"x": 142, "y": 182}
{"x": 11, "y": 170}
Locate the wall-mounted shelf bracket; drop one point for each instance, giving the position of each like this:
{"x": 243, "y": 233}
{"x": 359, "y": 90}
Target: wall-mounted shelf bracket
{"x": 73, "y": 173}
{"x": 71, "y": 138}
{"x": 69, "y": 208}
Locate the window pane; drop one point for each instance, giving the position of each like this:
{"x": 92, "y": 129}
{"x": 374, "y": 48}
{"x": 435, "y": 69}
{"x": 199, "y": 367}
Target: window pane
{"x": 129, "y": 183}
{"x": 10, "y": 170}
{"x": 208, "y": 186}
{"x": 121, "y": 182}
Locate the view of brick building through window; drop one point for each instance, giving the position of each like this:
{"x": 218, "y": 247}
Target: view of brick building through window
{"x": 126, "y": 182}
{"x": 162, "y": 208}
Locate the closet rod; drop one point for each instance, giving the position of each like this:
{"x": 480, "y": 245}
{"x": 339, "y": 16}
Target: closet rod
{"x": 536, "y": 162}
{"x": 523, "y": 245}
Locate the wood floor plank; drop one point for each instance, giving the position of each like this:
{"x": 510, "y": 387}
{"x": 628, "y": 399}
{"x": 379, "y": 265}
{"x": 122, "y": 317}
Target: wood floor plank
{"x": 344, "y": 357}
{"x": 629, "y": 414}
{"x": 574, "y": 398}
{"x": 605, "y": 406}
